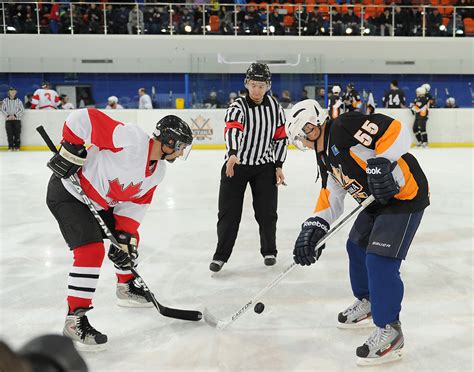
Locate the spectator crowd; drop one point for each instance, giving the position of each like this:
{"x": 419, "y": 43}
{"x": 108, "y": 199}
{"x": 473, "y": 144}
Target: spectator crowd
{"x": 226, "y": 17}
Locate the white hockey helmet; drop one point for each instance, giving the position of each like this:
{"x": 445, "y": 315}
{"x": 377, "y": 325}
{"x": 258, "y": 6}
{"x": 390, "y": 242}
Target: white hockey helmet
{"x": 451, "y": 102}
{"x": 427, "y": 87}
{"x": 420, "y": 91}
{"x": 112, "y": 99}
{"x": 336, "y": 89}
{"x": 304, "y": 112}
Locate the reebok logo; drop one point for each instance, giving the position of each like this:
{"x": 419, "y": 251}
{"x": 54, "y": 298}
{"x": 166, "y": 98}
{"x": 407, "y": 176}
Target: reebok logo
{"x": 315, "y": 224}
{"x": 373, "y": 170}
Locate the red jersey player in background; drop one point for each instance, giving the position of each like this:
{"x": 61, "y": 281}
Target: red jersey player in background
{"x": 119, "y": 173}
{"x": 45, "y": 98}
{"x": 362, "y": 155}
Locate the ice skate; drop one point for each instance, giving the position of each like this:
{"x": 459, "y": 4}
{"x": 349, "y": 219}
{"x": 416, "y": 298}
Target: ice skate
{"x": 216, "y": 265}
{"x": 85, "y": 337}
{"x": 269, "y": 260}
{"x": 130, "y": 294}
{"x": 357, "y": 315}
{"x": 383, "y": 345}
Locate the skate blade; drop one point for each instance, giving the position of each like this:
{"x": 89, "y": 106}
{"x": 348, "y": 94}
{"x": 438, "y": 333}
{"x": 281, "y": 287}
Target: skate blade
{"x": 366, "y": 323}
{"x": 131, "y": 303}
{"x": 390, "y": 357}
{"x": 89, "y": 348}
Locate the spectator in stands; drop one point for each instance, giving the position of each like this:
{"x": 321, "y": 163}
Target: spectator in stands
{"x": 276, "y": 22}
{"x": 135, "y": 21}
{"x": 385, "y": 22}
{"x": 251, "y": 21}
{"x": 186, "y": 25}
{"x": 112, "y": 104}
{"x": 451, "y": 103}
{"x": 415, "y": 22}
{"x": 458, "y": 23}
{"x": 153, "y": 20}
{"x": 212, "y": 102}
{"x": 401, "y": 22}
{"x": 351, "y": 22}
{"x": 54, "y": 18}
{"x": 433, "y": 21}
{"x": 65, "y": 104}
{"x": 337, "y": 23}
{"x": 321, "y": 97}
{"x": 94, "y": 19}
{"x": 285, "y": 100}
{"x": 144, "y": 102}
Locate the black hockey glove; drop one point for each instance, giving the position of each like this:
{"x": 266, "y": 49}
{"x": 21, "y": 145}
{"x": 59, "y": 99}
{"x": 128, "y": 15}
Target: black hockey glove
{"x": 124, "y": 258}
{"x": 68, "y": 160}
{"x": 312, "y": 230}
{"x": 382, "y": 185}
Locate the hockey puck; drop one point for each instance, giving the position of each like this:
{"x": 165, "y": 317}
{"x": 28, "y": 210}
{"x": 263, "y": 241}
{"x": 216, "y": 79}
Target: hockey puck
{"x": 259, "y": 307}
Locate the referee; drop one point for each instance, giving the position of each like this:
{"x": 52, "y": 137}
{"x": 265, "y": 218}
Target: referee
{"x": 256, "y": 149}
{"x": 13, "y": 110}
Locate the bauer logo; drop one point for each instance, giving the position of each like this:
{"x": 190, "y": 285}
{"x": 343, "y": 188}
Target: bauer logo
{"x": 201, "y": 128}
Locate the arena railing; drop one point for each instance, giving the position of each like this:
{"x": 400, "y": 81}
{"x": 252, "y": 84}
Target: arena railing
{"x": 237, "y": 20}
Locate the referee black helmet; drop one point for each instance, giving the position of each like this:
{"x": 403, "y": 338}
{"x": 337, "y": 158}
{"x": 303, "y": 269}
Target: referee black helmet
{"x": 258, "y": 72}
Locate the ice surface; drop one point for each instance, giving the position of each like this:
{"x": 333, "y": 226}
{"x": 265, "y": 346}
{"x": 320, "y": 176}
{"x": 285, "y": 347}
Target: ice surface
{"x": 296, "y": 332}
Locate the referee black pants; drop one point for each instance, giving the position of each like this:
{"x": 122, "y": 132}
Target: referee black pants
{"x": 13, "y": 128}
{"x": 262, "y": 181}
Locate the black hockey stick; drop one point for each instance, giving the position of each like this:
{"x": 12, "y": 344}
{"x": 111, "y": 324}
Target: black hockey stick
{"x": 192, "y": 315}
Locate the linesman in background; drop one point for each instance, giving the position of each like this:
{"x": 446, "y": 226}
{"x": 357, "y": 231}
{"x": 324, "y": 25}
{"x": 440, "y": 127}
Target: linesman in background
{"x": 256, "y": 150}
{"x": 13, "y": 109}
{"x": 395, "y": 97}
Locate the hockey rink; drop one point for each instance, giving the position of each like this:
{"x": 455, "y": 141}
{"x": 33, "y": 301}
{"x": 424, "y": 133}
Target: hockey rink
{"x": 297, "y": 331}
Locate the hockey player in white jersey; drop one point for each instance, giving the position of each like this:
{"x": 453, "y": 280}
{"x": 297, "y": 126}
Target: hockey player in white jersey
{"x": 119, "y": 173}
{"x": 45, "y": 98}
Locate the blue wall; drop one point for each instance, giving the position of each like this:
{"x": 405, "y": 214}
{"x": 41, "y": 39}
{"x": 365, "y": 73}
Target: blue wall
{"x": 170, "y": 86}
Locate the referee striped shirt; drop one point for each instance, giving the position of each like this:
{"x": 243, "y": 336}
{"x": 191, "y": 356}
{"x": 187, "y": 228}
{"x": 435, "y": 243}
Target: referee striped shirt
{"x": 12, "y": 107}
{"x": 256, "y": 133}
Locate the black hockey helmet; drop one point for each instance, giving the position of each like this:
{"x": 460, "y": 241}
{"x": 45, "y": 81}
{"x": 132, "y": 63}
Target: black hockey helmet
{"x": 173, "y": 132}
{"x": 350, "y": 86}
{"x": 258, "y": 72}
{"x": 45, "y": 85}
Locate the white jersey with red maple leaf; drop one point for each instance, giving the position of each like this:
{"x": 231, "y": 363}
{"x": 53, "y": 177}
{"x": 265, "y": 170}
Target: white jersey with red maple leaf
{"x": 45, "y": 99}
{"x": 117, "y": 172}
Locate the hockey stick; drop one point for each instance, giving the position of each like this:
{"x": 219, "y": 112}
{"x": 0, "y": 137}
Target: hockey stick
{"x": 191, "y": 315}
{"x": 223, "y": 323}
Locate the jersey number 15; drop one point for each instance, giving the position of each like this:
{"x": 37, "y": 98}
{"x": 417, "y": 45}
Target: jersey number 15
{"x": 365, "y": 133}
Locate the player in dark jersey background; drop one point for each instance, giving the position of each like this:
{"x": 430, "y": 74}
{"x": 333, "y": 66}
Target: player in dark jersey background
{"x": 395, "y": 97}
{"x": 363, "y": 155}
{"x": 420, "y": 108}
{"x": 351, "y": 98}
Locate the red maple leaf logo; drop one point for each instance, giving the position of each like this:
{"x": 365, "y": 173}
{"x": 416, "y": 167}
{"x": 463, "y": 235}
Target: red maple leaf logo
{"x": 118, "y": 192}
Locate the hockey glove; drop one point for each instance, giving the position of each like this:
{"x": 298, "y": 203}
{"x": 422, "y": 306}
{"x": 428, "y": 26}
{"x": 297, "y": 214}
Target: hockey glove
{"x": 68, "y": 160}
{"x": 312, "y": 231}
{"x": 382, "y": 185}
{"x": 124, "y": 258}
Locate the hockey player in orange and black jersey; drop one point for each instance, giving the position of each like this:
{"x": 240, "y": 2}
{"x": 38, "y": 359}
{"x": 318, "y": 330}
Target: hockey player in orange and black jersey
{"x": 335, "y": 104}
{"x": 363, "y": 155}
{"x": 351, "y": 98}
{"x": 420, "y": 108}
